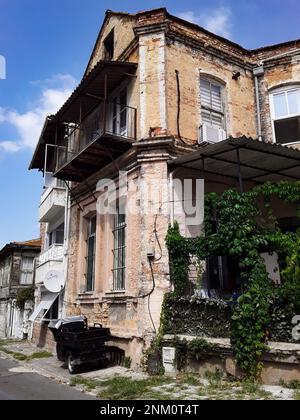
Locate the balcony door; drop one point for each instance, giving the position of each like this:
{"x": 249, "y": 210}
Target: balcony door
{"x": 119, "y": 114}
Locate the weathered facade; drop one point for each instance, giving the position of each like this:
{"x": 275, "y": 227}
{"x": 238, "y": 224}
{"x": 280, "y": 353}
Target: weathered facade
{"x": 156, "y": 88}
{"x": 17, "y": 263}
{"x": 51, "y": 264}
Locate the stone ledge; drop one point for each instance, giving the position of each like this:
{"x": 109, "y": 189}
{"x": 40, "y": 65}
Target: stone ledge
{"x": 278, "y": 352}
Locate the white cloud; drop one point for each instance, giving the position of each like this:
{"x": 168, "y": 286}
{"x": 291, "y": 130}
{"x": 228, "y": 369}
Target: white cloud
{"x": 217, "y": 20}
{"x": 54, "y": 92}
{"x": 9, "y": 146}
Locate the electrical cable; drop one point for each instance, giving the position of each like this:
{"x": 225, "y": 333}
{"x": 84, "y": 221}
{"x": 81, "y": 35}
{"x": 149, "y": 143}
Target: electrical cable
{"x": 149, "y": 296}
{"x": 179, "y": 106}
{"x": 157, "y": 239}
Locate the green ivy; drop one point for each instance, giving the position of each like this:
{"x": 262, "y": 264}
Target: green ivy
{"x": 23, "y": 296}
{"x": 198, "y": 349}
{"x": 241, "y": 225}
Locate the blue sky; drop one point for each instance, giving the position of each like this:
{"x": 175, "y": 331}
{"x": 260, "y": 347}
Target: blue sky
{"x": 46, "y": 45}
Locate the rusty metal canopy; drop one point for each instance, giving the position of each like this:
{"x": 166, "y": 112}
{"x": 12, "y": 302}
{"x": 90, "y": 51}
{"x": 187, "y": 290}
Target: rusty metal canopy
{"x": 93, "y": 84}
{"x": 85, "y": 96}
{"x": 93, "y": 157}
{"x": 258, "y": 161}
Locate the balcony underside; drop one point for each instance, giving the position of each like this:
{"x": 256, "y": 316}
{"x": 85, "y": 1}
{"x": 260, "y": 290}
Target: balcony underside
{"x": 97, "y": 154}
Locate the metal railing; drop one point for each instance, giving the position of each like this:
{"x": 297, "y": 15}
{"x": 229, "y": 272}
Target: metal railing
{"x": 110, "y": 118}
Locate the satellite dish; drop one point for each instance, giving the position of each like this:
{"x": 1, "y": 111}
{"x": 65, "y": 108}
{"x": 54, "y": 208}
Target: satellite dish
{"x": 54, "y": 281}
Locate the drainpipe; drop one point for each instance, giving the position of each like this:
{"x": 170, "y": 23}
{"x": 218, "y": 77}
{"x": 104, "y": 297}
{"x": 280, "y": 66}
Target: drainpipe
{"x": 258, "y": 72}
{"x": 171, "y": 183}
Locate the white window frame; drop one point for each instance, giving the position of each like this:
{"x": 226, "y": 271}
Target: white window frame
{"x": 26, "y": 271}
{"x": 278, "y": 91}
{"x": 203, "y": 127}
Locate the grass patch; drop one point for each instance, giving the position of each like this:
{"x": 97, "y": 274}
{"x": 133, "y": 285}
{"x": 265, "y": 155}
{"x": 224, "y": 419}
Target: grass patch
{"x": 22, "y": 357}
{"x": 189, "y": 379}
{"x": 295, "y": 384}
{"x": 89, "y": 383}
{"x": 40, "y": 355}
{"x": 6, "y": 342}
{"x": 297, "y": 396}
{"x": 214, "y": 378}
{"x": 123, "y": 388}
{"x": 159, "y": 396}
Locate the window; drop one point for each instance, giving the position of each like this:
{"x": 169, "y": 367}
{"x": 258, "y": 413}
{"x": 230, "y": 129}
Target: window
{"x": 56, "y": 236}
{"x": 119, "y": 114}
{"x": 53, "y": 312}
{"x": 4, "y": 272}
{"x": 212, "y": 111}
{"x": 27, "y": 264}
{"x": 91, "y": 253}
{"x": 109, "y": 46}
{"x": 119, "y": 251}
{"x": 285, "y": 109}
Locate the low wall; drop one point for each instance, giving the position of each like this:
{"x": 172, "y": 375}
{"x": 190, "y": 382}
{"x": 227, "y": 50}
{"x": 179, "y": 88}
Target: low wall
{"x": 42, "y": 337}
{"x": 204, "y": 317}
{"x": 281, "y": 362}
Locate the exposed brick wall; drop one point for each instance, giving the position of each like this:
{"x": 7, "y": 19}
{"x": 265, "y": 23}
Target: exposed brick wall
{"x": 42, "y": 337}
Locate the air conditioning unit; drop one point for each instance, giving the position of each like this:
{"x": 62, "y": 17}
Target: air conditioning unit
{"x": 210, "y": 134}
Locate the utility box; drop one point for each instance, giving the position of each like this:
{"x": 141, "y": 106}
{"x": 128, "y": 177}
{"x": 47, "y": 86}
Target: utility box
{"x": 169, "y": 361}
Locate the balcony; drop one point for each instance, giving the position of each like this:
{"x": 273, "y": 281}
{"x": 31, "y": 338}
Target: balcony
{"x": 51, "y": 259}
{"x": 53, "y": 202}
{"x": 106, "y": 133}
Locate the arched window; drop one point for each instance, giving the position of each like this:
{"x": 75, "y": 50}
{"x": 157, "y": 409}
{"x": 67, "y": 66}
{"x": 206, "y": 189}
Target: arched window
{"x": 212, "y": 110}
{"x": 285, "y": 111}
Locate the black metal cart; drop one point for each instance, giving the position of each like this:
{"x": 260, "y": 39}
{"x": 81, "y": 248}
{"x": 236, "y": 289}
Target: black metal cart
{"x": 77, "y": 344}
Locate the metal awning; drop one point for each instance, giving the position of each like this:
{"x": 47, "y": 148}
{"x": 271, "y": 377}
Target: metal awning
{"x": 102, "y": 79}
{"x": 96, "y": 85}
{"x": 244, "y": 159}
{"x": 45, "y": 305}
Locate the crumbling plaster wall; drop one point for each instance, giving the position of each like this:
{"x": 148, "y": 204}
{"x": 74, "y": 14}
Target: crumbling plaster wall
{"x": 238, "y": 98}
{"x": 126, "y": 314}
{"x": 123, "y": 34}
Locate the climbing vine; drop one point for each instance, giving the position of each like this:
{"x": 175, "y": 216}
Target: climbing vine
{"x": 242, "y": 226}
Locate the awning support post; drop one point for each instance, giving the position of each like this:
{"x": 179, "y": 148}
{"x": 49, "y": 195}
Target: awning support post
{"x": 105, "y": 104}
{"x": 239, "y": 170}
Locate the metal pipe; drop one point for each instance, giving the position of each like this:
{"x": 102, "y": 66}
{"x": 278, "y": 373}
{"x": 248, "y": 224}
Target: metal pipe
{"x": 257, "y": 72}
{"x": 178, "y": 104}
{"x": 258, "y": 108}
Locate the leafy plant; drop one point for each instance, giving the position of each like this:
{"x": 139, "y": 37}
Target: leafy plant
{"x": 242, "y": 226}
{"x": 23, "y": 296}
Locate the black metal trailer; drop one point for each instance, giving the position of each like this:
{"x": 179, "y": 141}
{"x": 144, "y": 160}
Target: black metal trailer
{"x": 76, "y": 343}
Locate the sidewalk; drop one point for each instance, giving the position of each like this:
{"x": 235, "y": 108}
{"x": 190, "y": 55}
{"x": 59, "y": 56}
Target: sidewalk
{"x": 120, "y": 383}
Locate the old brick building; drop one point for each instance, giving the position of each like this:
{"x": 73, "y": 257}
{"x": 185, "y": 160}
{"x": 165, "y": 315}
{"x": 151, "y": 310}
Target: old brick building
{"x": 156, "y": 88}
{"x": 17, "y": 262}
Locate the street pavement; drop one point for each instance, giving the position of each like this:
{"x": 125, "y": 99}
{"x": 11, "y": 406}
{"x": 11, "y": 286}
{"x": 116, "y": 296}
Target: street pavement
{"x": 18, "y": 384}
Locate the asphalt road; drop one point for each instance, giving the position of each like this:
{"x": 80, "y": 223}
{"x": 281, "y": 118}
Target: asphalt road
{"x": 16, "y": 385}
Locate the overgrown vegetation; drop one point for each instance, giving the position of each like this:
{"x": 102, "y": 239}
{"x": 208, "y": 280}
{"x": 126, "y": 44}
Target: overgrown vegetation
{"x": 185, "y": 386}
{"x": 242, "y": 226}
{"x": 23, "y": 296}
{"x": 197, "y": 349}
